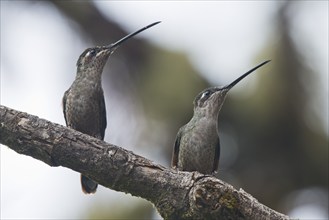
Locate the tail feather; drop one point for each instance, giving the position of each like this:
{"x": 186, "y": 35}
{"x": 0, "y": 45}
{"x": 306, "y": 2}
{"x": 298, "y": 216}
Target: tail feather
{"x": 88, "y": 186}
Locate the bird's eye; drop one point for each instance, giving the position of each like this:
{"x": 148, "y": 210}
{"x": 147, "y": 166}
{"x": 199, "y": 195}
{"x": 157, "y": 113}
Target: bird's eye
{"x": 91, "y": 53}
{"x": 205, "y": 94}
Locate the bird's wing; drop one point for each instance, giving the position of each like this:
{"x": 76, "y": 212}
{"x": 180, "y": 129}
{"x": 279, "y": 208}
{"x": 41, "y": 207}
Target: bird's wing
{"x": 103, "y": 122}
{"x": 174, "y": 161}
{"x": 64, "y": 104}
{"x": 216, "y": 159}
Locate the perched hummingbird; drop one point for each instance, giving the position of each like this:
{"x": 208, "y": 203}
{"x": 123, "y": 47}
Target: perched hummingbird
{"x": 83, "y": 103}
{"x": 197, "y": 145}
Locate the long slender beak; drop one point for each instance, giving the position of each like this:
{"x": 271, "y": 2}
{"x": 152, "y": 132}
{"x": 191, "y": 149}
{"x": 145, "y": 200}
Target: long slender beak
{"x": 115, "y": 45}
{"x": 228, "y": 87}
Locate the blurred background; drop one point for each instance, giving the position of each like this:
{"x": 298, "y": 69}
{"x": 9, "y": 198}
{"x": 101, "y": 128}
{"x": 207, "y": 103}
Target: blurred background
{"x": 274, "y": 124}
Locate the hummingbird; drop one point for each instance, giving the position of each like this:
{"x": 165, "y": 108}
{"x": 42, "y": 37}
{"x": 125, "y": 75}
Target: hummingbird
{"x": 197, "y": 146}
{"x": 83, "y": 103}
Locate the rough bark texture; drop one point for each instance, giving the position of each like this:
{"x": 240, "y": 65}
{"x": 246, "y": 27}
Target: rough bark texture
{"x": 176, "y": 195}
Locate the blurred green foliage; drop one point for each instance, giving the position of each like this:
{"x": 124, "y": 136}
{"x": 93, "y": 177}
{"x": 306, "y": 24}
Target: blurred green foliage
{"x": 132, "y": 210}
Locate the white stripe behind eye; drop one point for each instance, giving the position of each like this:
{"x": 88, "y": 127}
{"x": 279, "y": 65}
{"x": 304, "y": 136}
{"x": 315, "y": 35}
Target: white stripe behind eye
{"x": 100, "y": 53}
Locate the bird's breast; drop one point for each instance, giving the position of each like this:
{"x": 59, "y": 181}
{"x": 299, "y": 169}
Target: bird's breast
{"x": 198, "y": 146}
{"x": 83, "y": 109}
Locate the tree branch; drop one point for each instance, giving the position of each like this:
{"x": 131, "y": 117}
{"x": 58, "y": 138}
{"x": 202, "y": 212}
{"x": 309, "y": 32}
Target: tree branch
{"x": 176, "y": 195}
